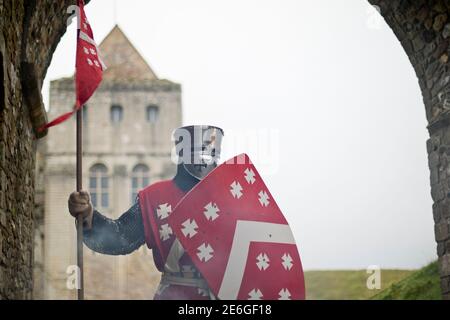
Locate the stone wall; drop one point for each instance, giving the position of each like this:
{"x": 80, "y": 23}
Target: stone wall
{"x": 16, "y": 167}
{"x": 423, "y": 28}
{"x": 23, "y": 38}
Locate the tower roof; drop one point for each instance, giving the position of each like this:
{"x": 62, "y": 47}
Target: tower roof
{"x": 122, "y": 60}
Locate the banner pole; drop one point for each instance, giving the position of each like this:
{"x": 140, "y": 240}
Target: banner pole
{"x": 79, "y": 146}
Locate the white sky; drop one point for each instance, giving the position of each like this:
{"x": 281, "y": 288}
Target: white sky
{"x": 330, "y": 84}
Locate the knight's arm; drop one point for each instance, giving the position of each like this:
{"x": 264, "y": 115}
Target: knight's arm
{"x": 116, "y": 237}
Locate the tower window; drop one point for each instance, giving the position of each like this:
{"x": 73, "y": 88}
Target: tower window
{"x": 152, "y": 113}
{"x": 139, "y": 180}
{"x": 116, "y": 114}
{"x": 99, "y": 186}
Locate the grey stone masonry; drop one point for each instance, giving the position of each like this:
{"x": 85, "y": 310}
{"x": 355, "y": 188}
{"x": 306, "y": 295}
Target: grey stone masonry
{"x": 423, "y": 28}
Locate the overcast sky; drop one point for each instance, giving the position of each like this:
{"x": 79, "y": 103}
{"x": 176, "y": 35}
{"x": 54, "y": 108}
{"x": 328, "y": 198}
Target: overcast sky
{"x": 326, "y": 93}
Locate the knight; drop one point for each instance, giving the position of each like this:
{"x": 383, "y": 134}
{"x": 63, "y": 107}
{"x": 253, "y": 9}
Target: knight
{"x": 197, "y": 150}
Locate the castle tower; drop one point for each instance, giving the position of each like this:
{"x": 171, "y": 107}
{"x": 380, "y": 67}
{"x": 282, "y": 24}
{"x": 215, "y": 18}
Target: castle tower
{"x": 127, "y": 126}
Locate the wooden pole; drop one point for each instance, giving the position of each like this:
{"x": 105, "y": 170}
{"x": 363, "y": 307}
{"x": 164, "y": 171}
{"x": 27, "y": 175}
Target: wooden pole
{"x": 79, "y": 188}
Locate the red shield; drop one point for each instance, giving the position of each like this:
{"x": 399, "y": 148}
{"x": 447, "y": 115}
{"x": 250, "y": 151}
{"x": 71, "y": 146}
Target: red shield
{"x": 237, "y": 237}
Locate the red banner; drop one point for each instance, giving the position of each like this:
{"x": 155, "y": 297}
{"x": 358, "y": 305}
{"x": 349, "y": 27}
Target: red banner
{"x": 89, "y": 66}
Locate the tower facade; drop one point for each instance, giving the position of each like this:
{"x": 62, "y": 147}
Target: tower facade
{"x": 127, "y": 127}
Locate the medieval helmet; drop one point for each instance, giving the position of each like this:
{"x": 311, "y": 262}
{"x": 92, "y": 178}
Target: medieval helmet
{"x": 198, "y": 148}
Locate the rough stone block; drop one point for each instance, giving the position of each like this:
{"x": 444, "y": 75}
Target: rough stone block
{"x": 422, "y": 14}
{"x": 436, "y": 212}
{"x": 447, "y": 247}
{"x": 445, "y": 209}
{"x": 433, "y": 143}
{"x": 446, "y": 31}
{"x": 433, "y": 159}
{"x": 442, "y": 172}
{"x": 3, "y": 218}
{"x": 418, "y": 43}
{"x": 444, "y": 265}
{"x": 440, "y": 249}
{"x": 445, "y": 284}
{"x": 439, "y": 22}
{"x": 437, "y": 192}
{"x": 434, "y": 176}
{"x": 441, "y": 231}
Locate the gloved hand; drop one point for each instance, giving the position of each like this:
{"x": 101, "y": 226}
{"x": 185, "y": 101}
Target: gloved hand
{"x": 80, "y": 204}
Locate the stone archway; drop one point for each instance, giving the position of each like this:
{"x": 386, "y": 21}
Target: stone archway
{"x": 423, "y": 28}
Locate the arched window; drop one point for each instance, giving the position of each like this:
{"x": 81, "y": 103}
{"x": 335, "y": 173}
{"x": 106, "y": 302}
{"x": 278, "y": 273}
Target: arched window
{"x": 99, "y": 186}
{"x": 152, "y": 113}
{"x": 139, "y": 179}
{"x": 116, "y": 113}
